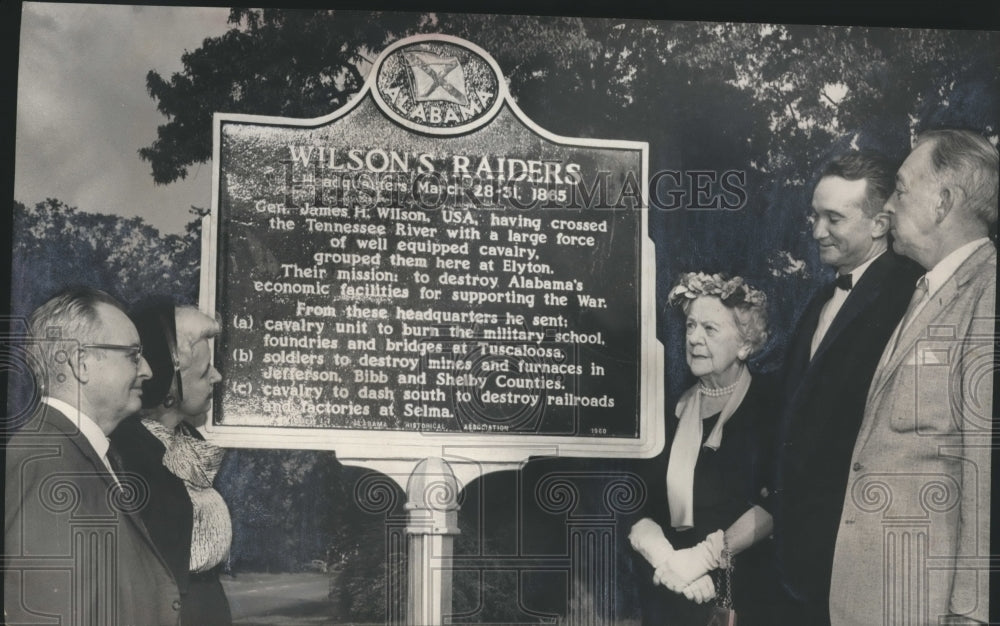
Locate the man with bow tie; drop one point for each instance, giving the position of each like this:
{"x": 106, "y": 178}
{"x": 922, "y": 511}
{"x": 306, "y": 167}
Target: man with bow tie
{"x": 75, "y": 549}
{"x": 832, "y": 356}
{"x": 913, "y": 542}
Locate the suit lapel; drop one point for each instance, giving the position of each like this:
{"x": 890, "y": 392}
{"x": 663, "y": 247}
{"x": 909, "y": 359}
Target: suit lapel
{"x": 62, "y": 423}
{"x": 917, "y": 328}
{"x": 938, "y": 303}
{"x": 65, "y": 425}
{"x": 798, "y": 362}
{"x": 861, "y": 296}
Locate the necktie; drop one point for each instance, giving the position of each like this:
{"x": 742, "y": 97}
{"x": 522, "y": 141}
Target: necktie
{"x": 918, "y": 297}
{"x": 916, "y": 302}
{"x": 115, "y": 462}
{"x": 844, "y": 282}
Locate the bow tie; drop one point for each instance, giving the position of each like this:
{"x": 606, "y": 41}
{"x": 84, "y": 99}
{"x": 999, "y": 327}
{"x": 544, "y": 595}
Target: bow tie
{"x": 844, "y": 282}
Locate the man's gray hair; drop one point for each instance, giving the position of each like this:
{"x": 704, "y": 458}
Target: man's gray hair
{"x": 64, "y": 321}
{"x": 969, "y": 161}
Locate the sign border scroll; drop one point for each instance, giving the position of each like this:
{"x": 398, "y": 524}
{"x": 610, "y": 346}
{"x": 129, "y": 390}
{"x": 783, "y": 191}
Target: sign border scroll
{"x": 491, "y": 448}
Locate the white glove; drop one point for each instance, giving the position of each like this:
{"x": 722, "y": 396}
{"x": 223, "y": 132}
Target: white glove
{"x": 701, "y": 590}
{"x": 682, "y": 567}
{"x": 648, "y": 540}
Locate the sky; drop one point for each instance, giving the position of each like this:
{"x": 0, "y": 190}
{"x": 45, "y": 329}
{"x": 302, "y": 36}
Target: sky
{"x": 83, "y": 111}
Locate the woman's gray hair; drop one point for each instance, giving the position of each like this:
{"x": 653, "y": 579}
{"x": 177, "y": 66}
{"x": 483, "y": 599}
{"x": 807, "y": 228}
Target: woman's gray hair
{"x": 749, "y": 305}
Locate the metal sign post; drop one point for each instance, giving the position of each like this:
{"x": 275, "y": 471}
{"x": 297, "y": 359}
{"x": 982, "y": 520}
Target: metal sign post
{"x": 435, "y": 287}
{"x": 432, "y": 503}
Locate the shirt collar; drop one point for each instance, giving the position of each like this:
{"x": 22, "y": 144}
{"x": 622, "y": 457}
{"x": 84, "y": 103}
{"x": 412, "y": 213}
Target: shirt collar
{"x": 856, "y": 273}
{"x": 88, "y": 427}
{"x": 947, "y": 266}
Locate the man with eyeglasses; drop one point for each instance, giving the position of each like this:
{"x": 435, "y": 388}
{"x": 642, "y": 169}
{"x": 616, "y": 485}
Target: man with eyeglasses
{"x": 75, "y": 547}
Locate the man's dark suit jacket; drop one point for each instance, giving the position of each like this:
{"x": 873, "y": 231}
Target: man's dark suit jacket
{"x": 823, "y": 403}
{"x": 73, "y": 547}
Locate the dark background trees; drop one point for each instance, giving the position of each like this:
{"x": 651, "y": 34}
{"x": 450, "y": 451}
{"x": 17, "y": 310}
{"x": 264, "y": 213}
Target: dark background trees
{"x": 272, "y": 62}
{"x": 55, "y": 245}
{"x": 771, "y": 102}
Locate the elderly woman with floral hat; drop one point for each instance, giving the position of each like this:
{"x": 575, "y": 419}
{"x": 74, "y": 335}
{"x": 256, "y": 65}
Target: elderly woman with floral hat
{"x": 703, "y": 507}
{"x": 186, "y": 517}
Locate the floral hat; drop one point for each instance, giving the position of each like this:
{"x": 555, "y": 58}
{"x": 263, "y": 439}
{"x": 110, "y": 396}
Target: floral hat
{"x": 733, "y": 291}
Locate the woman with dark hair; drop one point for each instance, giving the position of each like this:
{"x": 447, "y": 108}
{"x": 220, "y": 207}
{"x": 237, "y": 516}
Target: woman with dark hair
{"x": 186, "y": 517}
{"x": 703, "y": 506}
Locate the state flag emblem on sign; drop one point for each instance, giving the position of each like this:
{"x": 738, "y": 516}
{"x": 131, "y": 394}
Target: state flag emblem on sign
{"x": 436, "y": 78}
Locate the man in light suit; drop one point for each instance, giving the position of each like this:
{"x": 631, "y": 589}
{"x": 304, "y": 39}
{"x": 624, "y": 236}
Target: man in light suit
{"x": 830, "y": 362}
{"x": 913, "y": 544}
{"x": 75, "y": 549}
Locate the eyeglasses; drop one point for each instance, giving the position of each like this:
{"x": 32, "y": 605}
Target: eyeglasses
{"x": 133, "y": 352}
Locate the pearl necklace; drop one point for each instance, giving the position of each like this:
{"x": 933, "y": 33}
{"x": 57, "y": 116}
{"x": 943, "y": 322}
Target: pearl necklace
{"x": 716, "y": 392}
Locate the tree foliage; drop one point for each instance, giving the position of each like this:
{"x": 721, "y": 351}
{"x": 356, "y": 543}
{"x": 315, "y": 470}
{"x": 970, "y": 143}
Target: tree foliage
{"x": 57, "y": 245}
{"x": 776, "y": 99}
{"x": 290, "y": 507}
{"x": 272, "y": 62}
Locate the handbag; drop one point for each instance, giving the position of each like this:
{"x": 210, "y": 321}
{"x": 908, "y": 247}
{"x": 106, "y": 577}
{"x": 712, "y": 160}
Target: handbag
{"x": 719, "y": 616}
{"x": 723, "y": 613}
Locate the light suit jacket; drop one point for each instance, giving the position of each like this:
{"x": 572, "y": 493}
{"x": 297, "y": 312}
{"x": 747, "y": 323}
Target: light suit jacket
{"x": 74, "y": 548}
{"x": 913, "y": 541}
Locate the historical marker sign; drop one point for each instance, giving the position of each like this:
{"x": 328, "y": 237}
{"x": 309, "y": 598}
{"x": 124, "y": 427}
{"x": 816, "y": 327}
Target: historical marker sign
{"x": 426, "y": 268}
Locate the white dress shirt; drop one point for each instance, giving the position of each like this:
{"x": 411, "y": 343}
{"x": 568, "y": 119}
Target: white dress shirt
{"x": 834, "y": 304}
